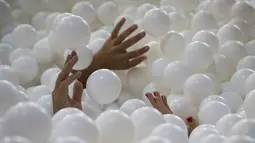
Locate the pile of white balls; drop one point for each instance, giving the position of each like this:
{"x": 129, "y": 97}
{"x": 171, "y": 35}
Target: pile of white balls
{"x": 202, "y": 57}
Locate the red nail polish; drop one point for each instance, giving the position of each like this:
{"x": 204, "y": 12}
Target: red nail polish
{"x": 146, "y": 95}
{"x": 189, "y": 119}
{"x": 154, "y": 93}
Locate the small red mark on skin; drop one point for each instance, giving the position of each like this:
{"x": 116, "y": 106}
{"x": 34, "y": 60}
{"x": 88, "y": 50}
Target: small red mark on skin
{"x": 189, "y": 119}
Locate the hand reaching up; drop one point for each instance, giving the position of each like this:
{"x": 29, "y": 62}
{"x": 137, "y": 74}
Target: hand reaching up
{"x": 159, "y": 102}
{"x": 113, "y": 54}
{"x": 60, "y": 97}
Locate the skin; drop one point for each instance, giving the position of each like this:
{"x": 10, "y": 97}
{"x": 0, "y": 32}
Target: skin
{"x": 159, "y": 102}
{"x": 60, "y": 96}
{"x": 112, "y": 55}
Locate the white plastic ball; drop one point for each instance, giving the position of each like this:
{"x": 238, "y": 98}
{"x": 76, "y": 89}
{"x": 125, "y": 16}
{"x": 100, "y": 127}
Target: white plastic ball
{"x": 58, "y": 5}
{"x": 131, "y": 105}
{"x": 47, "y": 75}
{"x": 156, "y": 22}
{"x": 207, "y": 37}
{"x": 233, "y": 50}
{"x": 181, "y": 5}
{"x": 178, "y": 20}
{"x": 249, "y": 105}
{"x": 85, "y": 57}
{"x": 46, "y": 103}
{"x": 173, "y": 45}
{"x": 227, "y": 87}
{"x": 157, "y": 71}
{"x": 85, "y": 10}
{"x": 71, "y": 139}
{"x": 213, "y": 138}
{"x": 107, "y": 12}
{"x": 9, "y": 95}
{"x": 100, "y": 34}
{"x": 38, "y": 91}
{"x": 182, "y": 107}
{"x": 143, "y": 126}
{"x": 202, "y": 131}
{"x": 244, "y": 127}
{"x": 212, "y": 98}
{"x": 211, "y": 112}
{"x": 26, "y": 68}
{"x": 79, "y": 125}
{"x": 233, "y": 100}
{"x": 230, "y": 33}
{"x": 246, "y": 62}
{"x": 38, "y": 20}
{"x": 61, "y": 114}
{"x": 203, "y": 20}
{"x": 177, "y": 121}
{"x": 7, "y": 73}
{"x": 225, "y": 124}
{"x": 238, "y": 79}
{"x": 24, "y": 36}
{"x": 197, "y": 87}
{"x": 244, "y": 26}
{"x": 248, "y": 84}
{"x": 5, "y": 51}
{"x": 239, "y": 139}
{"x": 14, "y": 140}
{"x": 250, "y": 48}
{"x": 109, "y": 83}
{"x": 137, "y": 79}
{"x": 96, "y": 45}
{"x": 223, "y": 67}
{"x": 43, "y": 52}
{"x": 171, "y": 132}
{"x": 72, "y": 31}
{"x": 243, "y": 10}
{"x": 175, "y": 74}
{"x": 154, "y": 139}
{"x": 221, "y": 8}
{"x": 120, "y": 130}
{"x": 19, "y": 52}
{"x": 143, "y": 9}
{"x": 199, "y": 56}
{"x": 30, "y": 116}
{"x": 124, "y": 96}
{"x": 5, "y": 12}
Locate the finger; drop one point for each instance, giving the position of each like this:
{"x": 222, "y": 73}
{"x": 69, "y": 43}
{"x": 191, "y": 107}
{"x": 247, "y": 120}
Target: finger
{"x": 125, "y": 34}
{"x": 117, "y": 28}
{"x": 73, "y": 54}
{"x": 164, "y": 99}
{"x": 151, "y": 99}
{"x": 71, "y": 78}
{"x": 66, "y": 70}
{"x": 77, "y": 91}
{"x": 136, "y": 61}
{"x": 68, "y": 58}
{"x": 157, "y": 94}
{"x": 131, "y": 41}
{"x": 133, "y": 54}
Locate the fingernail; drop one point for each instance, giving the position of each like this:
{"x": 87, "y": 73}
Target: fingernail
{"x": 189, "y": 119}
{"x": 142, "y": 34}
{"x": 123, "y": 19}
{"x": 134, "y": 26}
{"x": 147, "y": 95}
{"x": 145, "y": 49}
{"x": 154, "y": 93}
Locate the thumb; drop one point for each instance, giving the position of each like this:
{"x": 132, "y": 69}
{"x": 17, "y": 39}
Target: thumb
{"x": 77, "y": 91}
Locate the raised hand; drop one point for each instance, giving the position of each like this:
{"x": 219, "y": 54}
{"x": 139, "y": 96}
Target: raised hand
{"x": 159, "y": 102}
{"x": 113, "y": 54}
{"x": 60, "y": 97}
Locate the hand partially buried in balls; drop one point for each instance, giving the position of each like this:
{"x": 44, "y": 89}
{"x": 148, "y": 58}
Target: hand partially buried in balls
{"x": 60, "y": 96}
{"x": 159, "y": 102}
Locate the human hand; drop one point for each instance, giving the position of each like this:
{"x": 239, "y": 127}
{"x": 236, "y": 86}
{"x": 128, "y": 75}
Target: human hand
{"x": 113, "y": 54}
{"x": 159, "y": 102}
{"x": 60, "y": 97}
